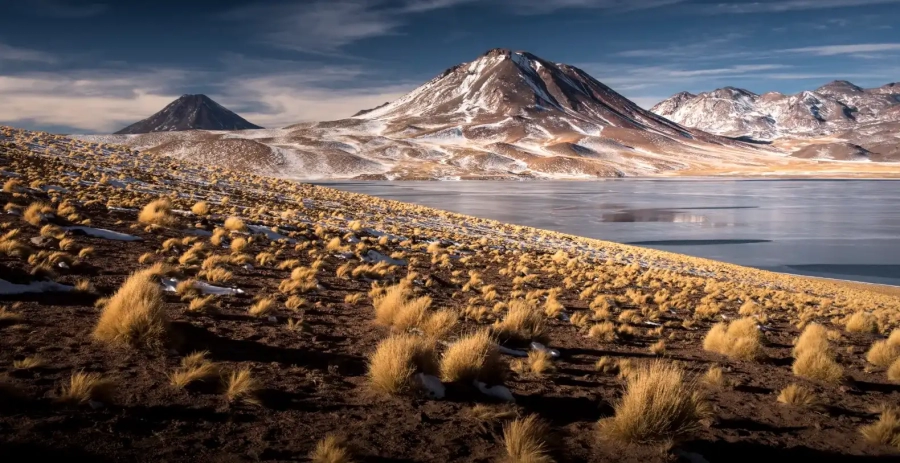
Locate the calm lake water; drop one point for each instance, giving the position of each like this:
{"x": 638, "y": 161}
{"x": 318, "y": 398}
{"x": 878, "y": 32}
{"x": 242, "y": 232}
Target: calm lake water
{"x": 846, "y": 229}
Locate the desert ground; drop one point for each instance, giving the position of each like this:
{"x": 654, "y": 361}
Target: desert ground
{"x": 159, "y": 310}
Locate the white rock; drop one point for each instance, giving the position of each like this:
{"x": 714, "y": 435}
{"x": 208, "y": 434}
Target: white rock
{"x": 499, "y": 391}
{"x": 431, "y": 385}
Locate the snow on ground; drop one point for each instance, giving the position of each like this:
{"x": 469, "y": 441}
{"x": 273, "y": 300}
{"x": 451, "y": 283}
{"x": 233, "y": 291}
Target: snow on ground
{"x": 45, "y": 286}
{"x": 105, "y": 234}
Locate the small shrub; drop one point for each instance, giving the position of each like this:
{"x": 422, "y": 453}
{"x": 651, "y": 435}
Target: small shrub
{"x": 523, "y": 322}
{"x": 814, "y": 338}
{"x": 235, "y": 224}
{"x": 135, "y": 315}
{"x": 84, "y": 387}
{"x": 159, "y": 213}
{"x": 861, "y": 322}
{"x": 739, "y": 339}
{"x": 886, "y": 430}
{"x": 200, "y": 208}
{"x": 472, "y": 357}
{"x": 397, "y": 359}
{"x": 819, "y": 366}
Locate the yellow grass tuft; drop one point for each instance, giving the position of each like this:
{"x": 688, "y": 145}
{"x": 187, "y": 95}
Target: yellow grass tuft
{"x": 36, "y": 213}
{"x": 331, "y": 449}
{"x": 135, "y": 315}
{"x": 658, "y": 347}
{"x": 538, "y": 363}
{"x": 739, "y": 339}
{"x": 886, "y": 430}
{"x": 861, "y": 322}
{"x": 893, "y": 371}
{"x": 158, "y": 212}
{"x": 657, "y": 406}
{"x": 715, "y": 377}
{"x": 84, "y": 387}
{"x": 262, "y": 307}
{"x": 522, "y": 322}
{"x": 239, "y": 245}
{"x": 440, "y": 323}
{"x": 235, "y": 224}
{"x": 525, "y": 440}
{"x": 883, "y": 353}
{"x": 194, "y": 367}
{"x": 471, "y": 357}
{"x": 29, "y": 363}
{"x": 818, "y": 365}
{"x": 240, "y": 386}
{"x": 200, "y": 208}
{"x": 813, "y": 338}
{"x": 798, "y": 395}
{"x": 397, "y": 359}
{"x": 603, "y": 332}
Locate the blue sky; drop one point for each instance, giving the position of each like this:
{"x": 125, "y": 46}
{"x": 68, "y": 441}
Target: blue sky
{"x": 95, "y": 66}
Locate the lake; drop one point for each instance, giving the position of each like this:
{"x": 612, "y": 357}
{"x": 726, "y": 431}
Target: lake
{"x": 845, "y": 229}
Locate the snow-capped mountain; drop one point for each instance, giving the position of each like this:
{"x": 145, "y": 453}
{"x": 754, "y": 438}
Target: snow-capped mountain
{"x": 834, "y": 107}
{"x": 506, "y": 114}
{"x": 190, "y": 112}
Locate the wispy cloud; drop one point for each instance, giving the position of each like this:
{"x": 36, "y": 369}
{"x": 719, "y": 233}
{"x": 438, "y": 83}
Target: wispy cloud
{"x": 736, "y": 70}
{"x": 832, "y": 50}
{"x": 70, "y": 9}
{"x": 548, "y": 6}
{"x": 775, "y": 6}
{"x": 11, "y": 53}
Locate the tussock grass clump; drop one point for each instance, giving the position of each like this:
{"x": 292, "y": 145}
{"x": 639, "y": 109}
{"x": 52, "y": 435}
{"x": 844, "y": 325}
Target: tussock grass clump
{"x": 813, "y": 338}
{"x": 200, "y": 208}
{"x": 440, "y": 323}
{"x": 893, "y": 371}
{"x": 331, "y": 449}
{"x": 861, "y": 322}
{"x": 397, "y": 359}
{"x": 739, "y": 339}
{"x": 134, "y": 315}
{"x": 657, "y": 405}
{"x": 194, "y": 367}
{"x": 603, "y": 332}
{"x": 472, "y": 357}
{"x": 523, "y": 322}
{"x": 36, "y": 213}
{"x": 886, "y": 430}
{"x": 538, "y": 363}
{"x": 798, "y": 395}
{"x": 397, "y": 308}
{"x": 715, "y": 377}
{"x": 29, "y": 363}
{"x": 262, "y": 307}
{"x": 819, "y": 366}
{"x": 884, "y": 352}
{"x": 234, "y": 224}
{"x": 158, "y": 212}
{"x": 658, "y": 347}
{"x": 525, "y": 440}
{"x": 84, "y": 387}
{"x": 241, "y": 386}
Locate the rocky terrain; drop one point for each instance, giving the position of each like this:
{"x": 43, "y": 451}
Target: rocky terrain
{"x": 164, "y": 310}
{"x": 190, "y": 112}
{"x": 831, "y": 117}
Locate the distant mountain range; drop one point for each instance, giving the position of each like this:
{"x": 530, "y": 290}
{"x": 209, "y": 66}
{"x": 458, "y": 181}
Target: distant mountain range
{"x": 190, "y": 112}
{"x": 507, "y": 114}
{"x": 860, "y": 123}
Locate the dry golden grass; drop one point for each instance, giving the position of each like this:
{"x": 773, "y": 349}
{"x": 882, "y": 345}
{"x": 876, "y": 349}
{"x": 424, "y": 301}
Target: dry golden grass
{"x": 202, "y": 304}
{"x": 397, "y": 359}
{"x": 715, "y": 377}
{"x": 331, "y": 449}
{"x": 200, "y": 208}
{"x": 440, "y": 323}
{"x": 658, "y": 347}
{"x": 195, "y": 367}
{"x": 29, "y": 363}
{"x": 657, "y": 405}
{"x": 861, "y": 322}
{"x": 238, "y": 245}
{"x": 883, "y": 353}
{"x": 795, "y": 394}
{"x": 893, "y": 371}
{"x": 819, "y": 366}
{"x": 537, "y": 363}
{"x": 603, "y": 332}
{"x": 354, "y": 298}
{"x": 36, "y": 213}
{"x": 472, "y": 357}
{"x": 9, "y": 317}
{"x": 234, "y": 224}
{"x": 813, "y": 338}
{"x": 525, "y": 440}
{"x": 523, "y": 322}
{"x": 262, "y": 307}
{"x": 135, "y": 315}
{"x": 240, "y": 386}
{"x": 218, "y": 275}
{"x": 886, "y": 430}
{"x": 739, "y": 339}
{"x": 294, "y": 303}
{"x": 159, "y": 213}
{"x": 84, "y": 387}
{"x": 397, "y": 308}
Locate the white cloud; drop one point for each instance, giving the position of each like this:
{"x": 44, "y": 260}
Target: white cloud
{"x": 832, "y": 50}
{"x": 647, "y": 102}
{"x": 10, "y": 53}
{"x": 737, "y": 70}
{"x": 775, "y": 6}
{"x": 548, "y": 6}
{"x": 103, "y": 101}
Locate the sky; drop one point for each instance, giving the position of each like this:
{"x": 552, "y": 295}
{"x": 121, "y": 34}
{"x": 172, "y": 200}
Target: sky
{"x": 95, "y": 66}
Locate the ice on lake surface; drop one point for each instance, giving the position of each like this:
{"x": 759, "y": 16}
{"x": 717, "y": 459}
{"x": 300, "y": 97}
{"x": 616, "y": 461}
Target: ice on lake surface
{"x": 846, "y": 229}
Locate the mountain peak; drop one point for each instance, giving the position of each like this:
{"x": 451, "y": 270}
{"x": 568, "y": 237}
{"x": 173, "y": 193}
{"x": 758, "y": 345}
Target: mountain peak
{"x": 190, "y": 112}
{"x": 839, "y": 86}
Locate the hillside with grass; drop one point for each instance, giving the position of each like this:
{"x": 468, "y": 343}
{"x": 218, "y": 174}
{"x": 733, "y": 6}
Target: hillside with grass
{"x": 155, "y": 309}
